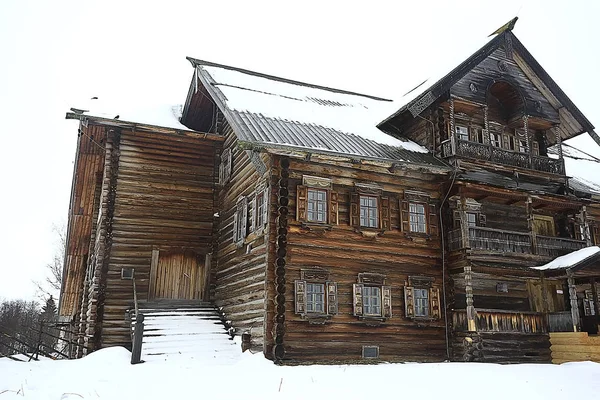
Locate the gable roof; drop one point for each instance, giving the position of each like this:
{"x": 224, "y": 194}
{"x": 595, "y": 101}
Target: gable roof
{"x": 425, "y": 94}
{"x": 272, "y": 112}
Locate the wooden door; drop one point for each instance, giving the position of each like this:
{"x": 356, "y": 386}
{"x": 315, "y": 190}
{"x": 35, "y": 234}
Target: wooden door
{"x": 177, "y": 275}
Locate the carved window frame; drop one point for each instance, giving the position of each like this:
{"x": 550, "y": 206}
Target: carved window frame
{"x": 431, "y": 217}
{"x": 315, "y": 276}
{"x": 372, "y": 280}
{"x": 240, "y": 220}
{"x": 422, "y": 284}
{"x": 382, "y": 209}
{"x": 225, "y": 167}
{"x": 260, "y": 213}
{"x": 313, "y": 183}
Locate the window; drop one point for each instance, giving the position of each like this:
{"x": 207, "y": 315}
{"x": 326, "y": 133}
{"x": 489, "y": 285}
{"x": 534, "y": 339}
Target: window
{"x": 418, "y": 214}
{"x": 369, "y": 213}
{"x": 316, "y": 202}
{"x": 462, "y": 132}
{"x": 522, "y": 146}
{"x": 225, "y": 167}
{"x": 371, "y": 298}
{"x": 317, "y": 205}
{"x": 315, "y": 297}
{"x": 471, "y": 219}
{"x": 239, "y": 221}
{"x": 417, "y": 218}
{"x": 260, "y": 207}
{"x": 421, "y": 299}
{"x": 494, "y": 139}
{"x": 421, "y": 302}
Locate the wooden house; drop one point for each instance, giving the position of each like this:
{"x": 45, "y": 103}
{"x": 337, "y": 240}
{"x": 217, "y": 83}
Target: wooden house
{"x": 332, "y": 226}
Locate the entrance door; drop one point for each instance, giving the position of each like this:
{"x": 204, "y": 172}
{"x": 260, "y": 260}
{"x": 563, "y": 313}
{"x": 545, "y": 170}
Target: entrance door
{"x": 177, "y": 275}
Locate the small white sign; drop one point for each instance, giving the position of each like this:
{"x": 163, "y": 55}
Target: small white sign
{"x": 559, "y": 291}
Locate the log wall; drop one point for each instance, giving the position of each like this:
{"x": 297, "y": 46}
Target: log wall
{"x": 345, "y": 253}
{"x": 163, "y": 200}
{"x": 239, "y": 269}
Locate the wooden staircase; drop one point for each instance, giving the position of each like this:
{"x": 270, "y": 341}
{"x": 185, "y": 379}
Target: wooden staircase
{"x": 184, "y": 329}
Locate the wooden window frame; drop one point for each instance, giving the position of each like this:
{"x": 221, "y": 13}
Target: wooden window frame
{"x": 316, "y": 202}
{"x": 225, "y": 167}
{"x": 460, "y": 134}
{"x": 240, "y": 220}
{"x": 331, "y": 201}
{"x": 431, "y": 217}
{"x": 368, "y": 208}
{"x": 316, "y": 276}
{"x": 433, "y": 297}
{"x": 417, "y": 214}
{"x": 260, "y": 214}
{"x": 370, "y": 280}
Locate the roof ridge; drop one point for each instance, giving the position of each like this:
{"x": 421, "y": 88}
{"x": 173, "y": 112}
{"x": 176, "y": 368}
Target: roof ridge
{"x": 195, "y": 62}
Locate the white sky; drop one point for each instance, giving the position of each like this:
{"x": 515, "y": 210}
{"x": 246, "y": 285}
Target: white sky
{"x": 55, "y": 53}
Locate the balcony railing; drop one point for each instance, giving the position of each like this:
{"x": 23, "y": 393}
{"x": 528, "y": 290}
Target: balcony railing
{"x": 500, "y": 321}
{"x": 488, "y": 239}
{"x": 479, "y": 151}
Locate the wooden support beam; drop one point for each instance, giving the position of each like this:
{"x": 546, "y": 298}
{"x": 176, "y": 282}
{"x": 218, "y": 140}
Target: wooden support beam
{"x": 573, "y": 299}
{"x": 469, "y": 299}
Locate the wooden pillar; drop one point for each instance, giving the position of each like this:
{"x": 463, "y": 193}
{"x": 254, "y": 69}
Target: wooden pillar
{"x": 464, "y": 225}
{"x": 486, "y": 126}
{"x": 533, "y": 239}
{"x": 584, "y": 226}
{"x": 558, "y": 142}
{"x": 544, "y": 300}
{"x": 573, "y": 298}
{"x": 527, "y": 140}
{"x": 469, "y": 299}
{"x": 596, "y": 301}
{"x": 452, "y": 128}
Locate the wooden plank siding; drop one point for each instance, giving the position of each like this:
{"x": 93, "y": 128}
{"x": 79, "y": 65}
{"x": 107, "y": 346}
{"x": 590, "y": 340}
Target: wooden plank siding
{"x": 163, "y": 201}
{"x": 344, "y": 253}
{"x": 87, "y": 172}
{"x": 238, "y": 276}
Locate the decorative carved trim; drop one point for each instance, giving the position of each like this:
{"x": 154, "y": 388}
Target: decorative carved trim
{"x": 315, "y": 181}
{"x": 258, "y": 163}
{"x": 368, "y": 188}
{"x": 420, "y": 281}
{"x": 314, "y": 274}
{"x": 371, "y": 278}
{"x": 421, "y": 104}
{"x": 412, "y": 195}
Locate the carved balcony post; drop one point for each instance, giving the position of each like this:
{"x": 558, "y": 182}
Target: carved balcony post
{"x": 558, "y": 142}
{"x": 527, "y": 140}
{"x": 469, "y": 300}
{"x": 529, "y": 208}
{"x": 584, "y": 226}
{"x": 573, "y": 299}
{"x": 452, "y": 128}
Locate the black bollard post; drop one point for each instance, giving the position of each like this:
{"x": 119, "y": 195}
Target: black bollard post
{"x": 138, "y": 334}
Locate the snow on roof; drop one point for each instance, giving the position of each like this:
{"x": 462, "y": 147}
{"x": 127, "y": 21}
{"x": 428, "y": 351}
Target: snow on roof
{"x": 140, "y": 112}
{"x": 278, "y": 99}
{"x": 571, "y": 259}
{"x": 582, "y": 161}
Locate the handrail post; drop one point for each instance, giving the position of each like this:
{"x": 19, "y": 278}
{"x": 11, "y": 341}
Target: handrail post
{"x": 138, "y": 334}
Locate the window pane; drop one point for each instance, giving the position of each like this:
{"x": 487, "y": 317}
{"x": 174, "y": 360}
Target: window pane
{"x": 369, "y": 212}
{"x": 421, "y": 302}
{"x": 372, "y": 300}
{"x": 315, "y": 297}
{"x": 417, "y": 218}
{"x": 317, "y": 205}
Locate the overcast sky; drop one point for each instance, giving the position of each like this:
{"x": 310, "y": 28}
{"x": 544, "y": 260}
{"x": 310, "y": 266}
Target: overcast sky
{"x": 56, "y": 53}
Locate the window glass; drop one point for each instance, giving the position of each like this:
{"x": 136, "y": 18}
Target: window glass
{"x": 417, "y": 218}
{"x": 260, "y": 207}
{"x": 315, "y": 297}
{"x": 317, "y": 205}
{"x": 471, "y": 219}
{"x": 462, "y": 132}
{"x": 368, "y": 212}
{"x": 372, "y": 300}
{"x": 239, "y": 216}
{"x": 421, "y": 302}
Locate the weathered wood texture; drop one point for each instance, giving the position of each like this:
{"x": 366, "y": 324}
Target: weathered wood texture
{"x": 89, "y": 165}
{"x": 501, "y": 347}
{"x": 574, "y": 346}
{"x": 239, "y": 269}
{"x": 344, "y": 253}
{"x": 163, "y": 201}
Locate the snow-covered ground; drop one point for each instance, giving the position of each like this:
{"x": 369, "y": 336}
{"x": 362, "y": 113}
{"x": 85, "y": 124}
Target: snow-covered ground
{"x": 107, "y": 374}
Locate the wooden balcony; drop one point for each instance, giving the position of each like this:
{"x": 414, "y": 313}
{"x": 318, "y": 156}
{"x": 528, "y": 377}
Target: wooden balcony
{"x": 467, "y": 149}
{"x": 500, "y": 321}
{"x": 488, "y": 239}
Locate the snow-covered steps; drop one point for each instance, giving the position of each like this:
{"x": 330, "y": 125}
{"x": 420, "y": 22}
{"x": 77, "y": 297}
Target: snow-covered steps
{"x": 175, "y": 330}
